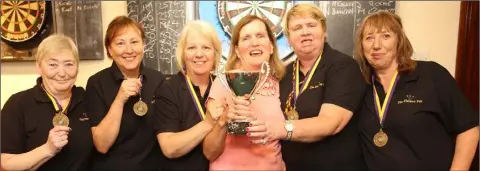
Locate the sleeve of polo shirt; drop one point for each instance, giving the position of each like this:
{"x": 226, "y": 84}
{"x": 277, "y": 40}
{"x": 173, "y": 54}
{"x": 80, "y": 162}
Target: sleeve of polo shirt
{"x": 13, "y": 132}
{"x": 218, "y": 91}
{"x": 460, "y": 114}
{"x": 344, "y": 85}
{"x": 95, "y": 105}
{"x": 167, "y": 110}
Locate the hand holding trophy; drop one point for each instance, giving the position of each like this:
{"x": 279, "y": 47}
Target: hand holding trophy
{"x": 243, "y": 84}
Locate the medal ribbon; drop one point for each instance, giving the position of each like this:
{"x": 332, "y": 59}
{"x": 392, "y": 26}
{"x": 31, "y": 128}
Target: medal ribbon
{"x": 140, "y": 92}
{"x": 56, "y": 104}
{"x": 194, "y": 96}
{"x": 308, "y": 78}
{"x": 381, "y": 110}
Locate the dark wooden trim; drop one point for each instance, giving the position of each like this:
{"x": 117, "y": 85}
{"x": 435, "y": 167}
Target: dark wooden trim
{"x": 466, "y": 70}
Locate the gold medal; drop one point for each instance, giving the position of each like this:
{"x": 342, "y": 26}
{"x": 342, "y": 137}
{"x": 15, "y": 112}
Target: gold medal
{"x": 380, "y": 139}
{"x": 140, "y": 108}
{"x": 60, "y": 119}
{"x": 292, "y": 115}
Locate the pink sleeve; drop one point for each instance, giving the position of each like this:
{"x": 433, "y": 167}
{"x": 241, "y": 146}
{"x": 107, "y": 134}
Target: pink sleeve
{"x": 218, "y": 91}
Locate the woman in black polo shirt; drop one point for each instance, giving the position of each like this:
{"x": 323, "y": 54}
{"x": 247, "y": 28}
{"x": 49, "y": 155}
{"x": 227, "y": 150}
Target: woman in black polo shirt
{"x": 118, "y": 101}
{"x": 414, "y": 116}
{"x": 45, "y": 127}
{"x": 319, "y": 94}
{"x": 182, "y": 121}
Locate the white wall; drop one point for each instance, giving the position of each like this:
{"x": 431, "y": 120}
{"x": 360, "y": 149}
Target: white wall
{"x": 431, "y": 26}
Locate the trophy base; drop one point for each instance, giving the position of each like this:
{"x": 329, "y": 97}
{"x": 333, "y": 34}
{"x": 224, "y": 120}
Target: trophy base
{"x": 238, "y": 127}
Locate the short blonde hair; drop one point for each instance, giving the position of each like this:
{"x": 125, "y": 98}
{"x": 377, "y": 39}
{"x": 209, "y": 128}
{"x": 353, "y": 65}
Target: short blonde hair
{"x": 56, "y": 43}
{"x": 205, "y": 29}
{"x": 305, "y": 9}
{"x": 277, "y": 69}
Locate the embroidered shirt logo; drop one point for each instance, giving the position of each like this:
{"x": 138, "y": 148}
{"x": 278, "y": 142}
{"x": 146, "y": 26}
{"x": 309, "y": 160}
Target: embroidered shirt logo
{"x": 153, "y": 101}
{"x": 410, "y": 99}
{"x": 84, "y": 117}
{"x": 319, "y": 84}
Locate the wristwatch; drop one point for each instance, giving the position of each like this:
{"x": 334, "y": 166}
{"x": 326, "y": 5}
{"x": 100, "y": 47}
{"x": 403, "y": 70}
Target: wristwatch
{"x": 289, "y": 128}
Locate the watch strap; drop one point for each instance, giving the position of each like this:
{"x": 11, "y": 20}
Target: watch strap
{"x": 289, "y": 132}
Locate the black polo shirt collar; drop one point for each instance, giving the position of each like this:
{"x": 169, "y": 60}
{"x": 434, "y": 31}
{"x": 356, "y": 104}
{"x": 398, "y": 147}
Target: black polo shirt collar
{"x": 328, "y": 52}
{"x": 196, "y": 88}
{"x": 408, "y": 77}
{"x": 41, "y": 96}
{"x": 38, "y": 93}
{"x": 404, "y": 79}
{"x": 117, "y": 74}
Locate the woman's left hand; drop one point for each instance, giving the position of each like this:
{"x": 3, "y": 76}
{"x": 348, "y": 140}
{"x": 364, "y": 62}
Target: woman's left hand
{"x": 263, "y": 132}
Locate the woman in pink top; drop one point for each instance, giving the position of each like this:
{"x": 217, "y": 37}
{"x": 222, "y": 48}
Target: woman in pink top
{"x": 252, "y": 44}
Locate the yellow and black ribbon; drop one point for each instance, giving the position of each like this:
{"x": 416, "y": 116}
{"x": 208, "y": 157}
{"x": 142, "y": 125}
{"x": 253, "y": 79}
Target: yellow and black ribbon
{"x": 194, "y": 96}
{"x": 56, "y": 104}
{"x": 381, "y": 110}
{"x": 296, "y": 80}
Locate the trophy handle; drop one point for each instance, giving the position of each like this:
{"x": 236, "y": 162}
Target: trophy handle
{"x": 221, "y": 76}
{"x": 265, "y": 70}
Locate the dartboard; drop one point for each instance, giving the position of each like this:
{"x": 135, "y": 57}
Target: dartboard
{"x": 21, "y": 20}
{"x": 224, "y": 15}
{"x": 230, "y": 12}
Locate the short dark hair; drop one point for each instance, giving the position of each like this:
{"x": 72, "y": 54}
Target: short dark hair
{"x": 117, "y": 25}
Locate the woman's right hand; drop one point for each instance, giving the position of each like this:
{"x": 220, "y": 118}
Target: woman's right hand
{"x": 57, "y": 139}
{"x": 129, "y": 87}
{"x": 216, "y": 108}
